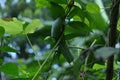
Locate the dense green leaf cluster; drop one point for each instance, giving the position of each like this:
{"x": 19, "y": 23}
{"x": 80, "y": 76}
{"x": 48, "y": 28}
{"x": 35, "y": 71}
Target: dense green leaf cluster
{"x": 76, "y": 33}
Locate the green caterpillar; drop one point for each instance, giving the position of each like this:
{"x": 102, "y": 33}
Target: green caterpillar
{"x": 57, "y": 29}
{"x": 57, "y": 32}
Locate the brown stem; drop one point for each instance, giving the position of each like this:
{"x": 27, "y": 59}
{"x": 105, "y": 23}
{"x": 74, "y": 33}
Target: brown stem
{"x": 112, "y": 37}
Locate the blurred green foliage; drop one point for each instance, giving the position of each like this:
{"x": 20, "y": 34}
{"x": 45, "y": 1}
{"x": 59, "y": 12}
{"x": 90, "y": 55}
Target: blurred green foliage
{"x": 27, "y": 49}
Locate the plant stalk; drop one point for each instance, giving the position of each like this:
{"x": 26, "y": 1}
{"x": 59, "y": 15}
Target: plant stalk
{"x": 112, "y": 37}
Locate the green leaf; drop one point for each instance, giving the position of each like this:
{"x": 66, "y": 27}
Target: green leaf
{"x": 1, "y": 61}
{"x": 95, "y": 21}
{"x": 56, "y": 10}
{"x": 41, "y": 3}
{"x": 2, "y": 31}
{"x": 118, "y": 56}
{"x": 21, "y": 79}
{"x": 118, "y": 25}
{"x": 77, "y": 4}
{"x": 77, "y": 65}
{"x": 58, "y": 1}
{"x": 9, "y": 68}
{"x": 30, "y": 28}
{"x": 43, "y": 32}
{"x": 65, "y": 51}
{"x": 76, "y": 11}
{"x": 76, "y": 29}
{"x": 12, "y": 27}
{"x": 92, "y": 8}
{"x": 105, "y": 52}
{"x": 7, "y": 49}
{"x": 98, "y": 66}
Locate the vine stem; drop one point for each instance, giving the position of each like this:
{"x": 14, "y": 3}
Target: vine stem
{"x": 32, "y": 47}
{"x": 77, "y": 47}
{"x": 112, "y": 37}
{"x": 86, "y": 60}
{"x": 52, "y": 51}
{"x": 41, "y": 66}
